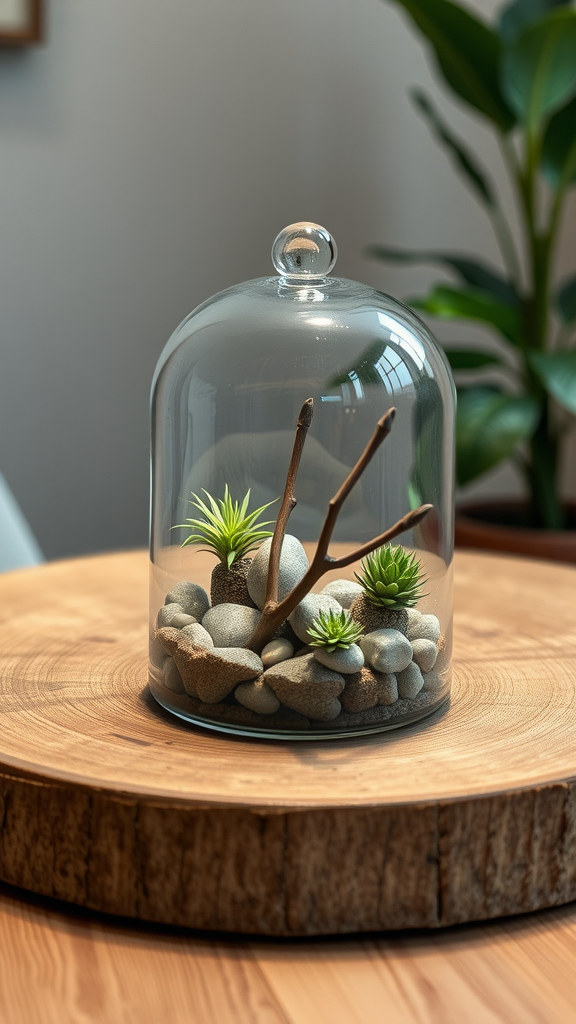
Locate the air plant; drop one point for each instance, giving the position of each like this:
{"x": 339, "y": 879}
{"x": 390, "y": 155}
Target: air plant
{"x": 227, "y": 530}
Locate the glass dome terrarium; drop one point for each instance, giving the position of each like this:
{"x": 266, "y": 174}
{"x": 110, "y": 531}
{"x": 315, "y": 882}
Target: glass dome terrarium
{"x": 302, "y": 507}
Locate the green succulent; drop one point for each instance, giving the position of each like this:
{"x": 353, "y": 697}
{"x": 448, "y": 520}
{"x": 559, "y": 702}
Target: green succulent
{"x": 392, "y": 577}
{"x": 334, "y": 629}
{"x": 227, "y": 529}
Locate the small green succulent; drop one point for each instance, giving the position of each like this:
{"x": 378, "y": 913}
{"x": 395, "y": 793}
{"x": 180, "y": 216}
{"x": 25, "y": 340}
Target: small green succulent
{"x": 334, "y": 629}
{"x": 227, "y": 529}
{"x": 392, "y": 577}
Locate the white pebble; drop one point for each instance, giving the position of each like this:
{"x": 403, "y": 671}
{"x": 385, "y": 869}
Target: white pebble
{"x": 410, "y": 682}
{"x": 386, "y": 650}
{"x": 293, "y": 565}
{"x": 257, "y": 696}
{"x": 422, "y": 627}
{"x": 192, "y": 597}
{"x": 424, "y": 654}
{"x": 167, "y": 614}
{"x": 276, "y": 651}
{"x": 434, "y": 682}
{"x": 308, "y": 610}
{"x": 414, "y": 623}
{"x": 430, "y": 628}
{"x": 348, "y": 660}
{"x": 344, "y": 591}
{"x": 231, "y": 625}
{"x": 172, "y": 677}
{"x": 181, "y": 619}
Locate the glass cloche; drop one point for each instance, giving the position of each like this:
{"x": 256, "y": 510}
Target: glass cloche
{"x": 302, "y": 507}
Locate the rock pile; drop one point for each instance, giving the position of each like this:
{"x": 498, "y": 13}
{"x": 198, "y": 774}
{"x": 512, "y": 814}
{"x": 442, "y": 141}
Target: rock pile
{"x": 396, "y": 670}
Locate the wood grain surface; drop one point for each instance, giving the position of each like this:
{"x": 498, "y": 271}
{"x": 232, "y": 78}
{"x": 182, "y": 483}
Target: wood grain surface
{"x": 111, "y": 803}
{"x": 63, "y": 965}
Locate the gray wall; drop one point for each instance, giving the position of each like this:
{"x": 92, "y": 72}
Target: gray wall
{"x": 148, "y": 155}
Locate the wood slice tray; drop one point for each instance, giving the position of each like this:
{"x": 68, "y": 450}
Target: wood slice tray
{"x": 109, "y": 802}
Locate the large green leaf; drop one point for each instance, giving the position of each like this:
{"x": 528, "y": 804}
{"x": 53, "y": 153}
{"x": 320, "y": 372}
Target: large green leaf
{"x": 468, "y": 359}
{"x": 473, "y": 272}
{"x": 489, "y": 426}
{"x": 566, "y": 300}
{"x": 454, "y": 304}
{"x": 462, "y": 157}
{"x": 522, "y": 13}
{"x": 539, "y": 68}
{"x": 468, "y": 54}
{"x": 558, "y": 160}
{"x": 557, "y": 371}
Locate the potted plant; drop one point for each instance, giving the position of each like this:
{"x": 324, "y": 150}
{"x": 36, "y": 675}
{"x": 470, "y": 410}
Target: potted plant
{"x": 519, "y": 74}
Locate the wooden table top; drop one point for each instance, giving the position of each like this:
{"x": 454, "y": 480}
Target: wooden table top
{"x": 65, "y": 965}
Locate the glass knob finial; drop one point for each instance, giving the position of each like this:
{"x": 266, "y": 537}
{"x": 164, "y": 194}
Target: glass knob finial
{"x": 304, "y": 251}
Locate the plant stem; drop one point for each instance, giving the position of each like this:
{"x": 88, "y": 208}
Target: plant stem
{"x": 542, "y": 474}
{"x": 507, "y": 247}
{"x": 501, "y": 227}
{"x": 541, "y": 469}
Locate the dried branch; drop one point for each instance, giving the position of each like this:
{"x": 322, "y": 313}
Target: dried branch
{"x": 288, "y": 503}
{"x": 383, "y": 428}
{"x": 407, "y": 522}
{"x": 275, "y": 613}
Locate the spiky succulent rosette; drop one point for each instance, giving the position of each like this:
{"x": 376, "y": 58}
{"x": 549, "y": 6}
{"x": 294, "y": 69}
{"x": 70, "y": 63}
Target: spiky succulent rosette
{"x": 392, "y": 577}
{"x": 227, "y": 530}
{"x": 331, "y": 630}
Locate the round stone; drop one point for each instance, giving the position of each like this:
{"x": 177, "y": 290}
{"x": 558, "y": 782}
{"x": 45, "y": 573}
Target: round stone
{"x": 422, "y": 627}
{"x": 430, "y": 628}
{"x": 435, "y": 682}
{"x": 172, "y": 677}
{"x": 410, "y": 682}
{"x": 386, "y": 650}
{"x": 343, "y": 591}
{"x": 257, "y": 696}
{"x": 276, "y": 651}
{"x": 181, "y": 619}
{"x": 345, "y": 660}
{"x": 231, "y": 625}
{"x": 167, "y": 613}
{"x": 293, "y": 565}
{"x": 309, "y": 609}
{"x": 424, "y": 654}
{"x": 193, "y": 599}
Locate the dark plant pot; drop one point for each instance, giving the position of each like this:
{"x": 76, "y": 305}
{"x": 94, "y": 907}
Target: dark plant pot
{"x": 497, "y": 526}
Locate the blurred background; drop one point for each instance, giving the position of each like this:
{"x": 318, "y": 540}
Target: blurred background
{"x": 149, "y": 154}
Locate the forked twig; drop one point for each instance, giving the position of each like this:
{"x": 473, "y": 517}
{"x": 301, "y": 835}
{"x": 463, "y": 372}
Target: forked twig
{"x": 274, "y": 612}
